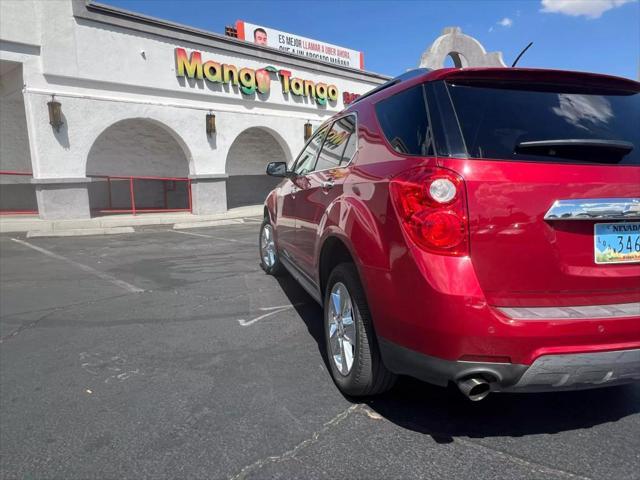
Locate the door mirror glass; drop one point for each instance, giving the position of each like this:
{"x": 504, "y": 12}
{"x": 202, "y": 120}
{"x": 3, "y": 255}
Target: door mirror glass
{"x": 277, "y": 169}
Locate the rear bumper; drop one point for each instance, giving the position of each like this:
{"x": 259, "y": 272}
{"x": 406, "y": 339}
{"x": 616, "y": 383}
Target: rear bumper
{"x": 442, "y": 312}
{"x": 576, "y": 371}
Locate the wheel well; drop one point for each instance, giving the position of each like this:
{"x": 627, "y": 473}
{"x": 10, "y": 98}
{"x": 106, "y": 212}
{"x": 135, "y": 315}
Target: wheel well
{"x": 266, "y": 212}
{"x": 334, "y": 252}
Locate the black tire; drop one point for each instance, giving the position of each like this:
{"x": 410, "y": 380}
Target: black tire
{"x": 276, "y": 268}
{"x": 368, "y": 375}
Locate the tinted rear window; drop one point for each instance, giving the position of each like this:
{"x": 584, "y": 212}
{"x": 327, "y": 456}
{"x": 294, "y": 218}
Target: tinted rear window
{"x": 495, "y": 120}
{"x": 405, "y": 122}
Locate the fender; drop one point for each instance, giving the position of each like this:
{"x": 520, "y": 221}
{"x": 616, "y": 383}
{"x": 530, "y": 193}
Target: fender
{"x": 271, "y": 206}
{"x": 350, "y": 219}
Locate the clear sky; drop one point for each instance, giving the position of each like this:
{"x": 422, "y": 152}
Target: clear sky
{"x": 591, "y": 35}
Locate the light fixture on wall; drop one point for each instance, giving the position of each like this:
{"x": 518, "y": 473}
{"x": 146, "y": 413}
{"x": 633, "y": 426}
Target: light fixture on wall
{"x": 211, "y": 123}
{"x": 307, "y": 131}
{"x": 55, "y": 113}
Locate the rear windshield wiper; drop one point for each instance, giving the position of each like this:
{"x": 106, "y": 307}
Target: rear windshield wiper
{"x": 588, "y": 149}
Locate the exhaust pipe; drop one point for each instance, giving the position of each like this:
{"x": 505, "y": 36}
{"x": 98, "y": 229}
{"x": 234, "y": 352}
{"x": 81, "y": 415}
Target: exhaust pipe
{"x": 474, "y": 388}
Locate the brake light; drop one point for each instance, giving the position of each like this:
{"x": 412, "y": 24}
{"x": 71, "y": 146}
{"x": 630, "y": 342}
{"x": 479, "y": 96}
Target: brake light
{"x": 432, "y": 208}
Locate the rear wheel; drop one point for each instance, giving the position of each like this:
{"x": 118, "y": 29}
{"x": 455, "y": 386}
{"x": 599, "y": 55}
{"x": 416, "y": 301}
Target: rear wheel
{"x": 269, "y": 259}
{"x": 352, "y": 348}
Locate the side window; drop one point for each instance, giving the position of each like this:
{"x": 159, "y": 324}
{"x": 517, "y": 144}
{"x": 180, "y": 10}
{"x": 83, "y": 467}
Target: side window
{"x": 307, "y": 159}
{"x": 405, "y": 122}
{"x": 340, "y": 144}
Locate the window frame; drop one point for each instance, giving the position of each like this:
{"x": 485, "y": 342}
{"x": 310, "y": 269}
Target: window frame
{"x": 316, "y": 133}
{"x": 330, "y": 123}
{"x": 355, "y": 132}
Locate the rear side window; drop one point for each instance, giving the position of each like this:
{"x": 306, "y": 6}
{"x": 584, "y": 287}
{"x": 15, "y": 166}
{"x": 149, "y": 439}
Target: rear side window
{"x": 553, "y": 124}
{"x": 340, "y": 144}
{"x": 405, "y": 122}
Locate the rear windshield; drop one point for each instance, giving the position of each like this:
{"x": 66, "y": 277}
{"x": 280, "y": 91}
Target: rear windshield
{"x": 551, "y": 125}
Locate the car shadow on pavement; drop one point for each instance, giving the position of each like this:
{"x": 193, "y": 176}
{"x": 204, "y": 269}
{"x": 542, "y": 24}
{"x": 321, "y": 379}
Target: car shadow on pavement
{"x": 443, "y": 413}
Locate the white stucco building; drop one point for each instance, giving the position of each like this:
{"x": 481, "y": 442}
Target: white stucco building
{"x": 133, "y": 104}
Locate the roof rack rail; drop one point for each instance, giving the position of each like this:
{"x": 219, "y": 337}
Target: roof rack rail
{"x": 394, "y": 81}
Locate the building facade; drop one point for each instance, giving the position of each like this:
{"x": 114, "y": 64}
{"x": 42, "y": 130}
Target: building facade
{"x": 103, "y": 110}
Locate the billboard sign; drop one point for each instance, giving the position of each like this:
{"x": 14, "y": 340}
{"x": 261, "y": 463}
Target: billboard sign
{"x": 305, "y": 47}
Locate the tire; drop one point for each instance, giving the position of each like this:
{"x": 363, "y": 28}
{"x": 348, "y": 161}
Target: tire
{"x": 269, "y": 258}
{"x": 367, "y": 375}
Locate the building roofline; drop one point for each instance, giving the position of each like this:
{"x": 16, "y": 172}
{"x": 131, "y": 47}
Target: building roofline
{"x": 107, "y": 14}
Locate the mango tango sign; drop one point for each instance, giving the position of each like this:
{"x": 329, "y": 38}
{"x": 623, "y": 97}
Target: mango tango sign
{"x": 249, "y": 80}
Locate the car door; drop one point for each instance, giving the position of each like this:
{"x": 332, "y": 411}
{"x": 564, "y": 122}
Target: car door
{"x": 288, "y": 197}
{"x": 322, "y": 186}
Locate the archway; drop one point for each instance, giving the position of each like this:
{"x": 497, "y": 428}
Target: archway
{"x": 138, "y": 165}
{"x": 17, "y": 193}
{"x": 454, "y": 48}
{"x": 247, "y": 160}
{"x": 455, "y": 60}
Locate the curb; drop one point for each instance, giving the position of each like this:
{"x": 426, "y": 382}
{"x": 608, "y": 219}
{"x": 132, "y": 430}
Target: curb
{"x": 76, "y": 232}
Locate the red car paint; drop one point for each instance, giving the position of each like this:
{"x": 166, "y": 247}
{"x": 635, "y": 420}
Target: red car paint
{"x": 445, "y": 306}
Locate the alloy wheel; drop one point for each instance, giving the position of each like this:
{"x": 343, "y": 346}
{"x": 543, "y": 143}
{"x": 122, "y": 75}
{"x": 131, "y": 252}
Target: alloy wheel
{"x": 268, "y": 246}
{"x": 342, "y": 328}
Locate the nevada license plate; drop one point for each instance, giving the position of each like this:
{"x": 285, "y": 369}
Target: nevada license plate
{"x": 617, "y": 242}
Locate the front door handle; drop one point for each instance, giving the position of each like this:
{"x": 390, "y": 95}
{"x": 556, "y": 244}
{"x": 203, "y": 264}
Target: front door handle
{"x": 328, "y": 184}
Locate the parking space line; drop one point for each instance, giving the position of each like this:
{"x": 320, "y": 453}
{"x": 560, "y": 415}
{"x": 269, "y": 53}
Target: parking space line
{"x": 233, "y": 240}
{"x": 270, "y": 311}
{"x": 85, "y": 268}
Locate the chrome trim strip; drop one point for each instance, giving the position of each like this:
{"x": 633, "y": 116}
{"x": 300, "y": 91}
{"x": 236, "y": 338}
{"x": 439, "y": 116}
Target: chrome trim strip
{"x": 619, "y": 310}
{"x": 595, "y": 209}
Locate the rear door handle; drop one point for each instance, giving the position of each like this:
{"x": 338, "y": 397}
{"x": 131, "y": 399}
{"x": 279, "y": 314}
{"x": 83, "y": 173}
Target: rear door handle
{"x": 328, "y": 184}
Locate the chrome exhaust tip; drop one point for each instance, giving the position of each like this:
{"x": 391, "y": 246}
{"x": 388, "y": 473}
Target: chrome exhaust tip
{"x": 474, "y": 388}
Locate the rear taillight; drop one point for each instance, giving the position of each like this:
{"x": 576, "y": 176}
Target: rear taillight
{"x": 432, "y": 208}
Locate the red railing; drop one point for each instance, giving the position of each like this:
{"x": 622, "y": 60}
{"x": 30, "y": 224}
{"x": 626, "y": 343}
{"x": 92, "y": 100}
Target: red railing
{"x": 168, "y": 184}
{"x": 11, "y": 211}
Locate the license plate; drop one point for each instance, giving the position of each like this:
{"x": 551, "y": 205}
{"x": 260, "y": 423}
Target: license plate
{"x": 617, "y": 242}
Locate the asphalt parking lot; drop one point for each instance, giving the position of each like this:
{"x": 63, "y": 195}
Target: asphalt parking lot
{"x": 165, "y": 354}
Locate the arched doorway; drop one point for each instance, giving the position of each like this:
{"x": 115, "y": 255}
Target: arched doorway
{"x": 138, "y": 165}
{"x": 247, "y": 160}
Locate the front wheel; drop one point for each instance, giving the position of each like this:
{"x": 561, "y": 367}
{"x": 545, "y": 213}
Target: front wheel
{"x": 352, "y": 348}
{"x": 269, "y": 259}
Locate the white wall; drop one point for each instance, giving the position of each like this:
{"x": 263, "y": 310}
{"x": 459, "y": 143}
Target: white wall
{"x": 20, "y": 21}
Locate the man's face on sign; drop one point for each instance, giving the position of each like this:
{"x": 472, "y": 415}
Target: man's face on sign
{"x": 260, "y": 37}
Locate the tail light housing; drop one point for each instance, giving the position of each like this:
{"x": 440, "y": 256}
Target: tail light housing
{"x": 432, "y": 207}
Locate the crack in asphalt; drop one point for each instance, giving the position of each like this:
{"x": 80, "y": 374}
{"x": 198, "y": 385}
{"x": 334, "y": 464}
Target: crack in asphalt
{"x": 537, "y": 467}
{"x": 33, "y": 324}
{"x": 291, "y": 453}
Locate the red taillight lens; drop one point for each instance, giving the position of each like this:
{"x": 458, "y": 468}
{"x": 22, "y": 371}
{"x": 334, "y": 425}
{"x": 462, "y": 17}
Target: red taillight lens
{"x": 433, "y": 225}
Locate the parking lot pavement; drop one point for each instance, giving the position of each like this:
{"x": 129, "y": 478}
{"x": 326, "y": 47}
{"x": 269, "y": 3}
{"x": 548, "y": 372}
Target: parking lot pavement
{"x": 166, "y": 354}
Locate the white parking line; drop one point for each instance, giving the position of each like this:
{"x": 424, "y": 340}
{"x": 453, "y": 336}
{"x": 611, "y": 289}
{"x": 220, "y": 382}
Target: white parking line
{"x": 84, "y": 268}
{"x": 270, "y": 311}
{"x": 233, "y": 240}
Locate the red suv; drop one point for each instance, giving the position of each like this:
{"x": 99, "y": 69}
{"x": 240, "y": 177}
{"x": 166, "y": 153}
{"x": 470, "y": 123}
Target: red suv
{"x": 478, "y": 226}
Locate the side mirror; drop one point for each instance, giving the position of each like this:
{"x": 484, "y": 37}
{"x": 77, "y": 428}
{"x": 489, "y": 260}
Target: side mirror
{"x": 277, "y": 169}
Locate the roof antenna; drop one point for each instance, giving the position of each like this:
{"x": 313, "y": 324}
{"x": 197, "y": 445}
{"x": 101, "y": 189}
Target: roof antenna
{"x": 521, "y": 53}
